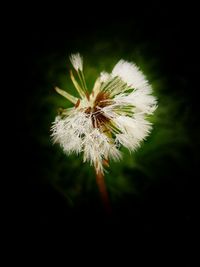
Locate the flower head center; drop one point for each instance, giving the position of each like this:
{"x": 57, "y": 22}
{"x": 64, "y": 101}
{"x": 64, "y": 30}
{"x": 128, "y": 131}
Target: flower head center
{"x": 96, "y": 112}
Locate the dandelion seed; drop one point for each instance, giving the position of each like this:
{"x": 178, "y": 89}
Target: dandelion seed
{"x": 76, "y": 61}
{"x": 114, "y": 114}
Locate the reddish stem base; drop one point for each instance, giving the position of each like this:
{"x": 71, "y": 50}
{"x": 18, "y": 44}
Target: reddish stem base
{"x": 103, "y": 191}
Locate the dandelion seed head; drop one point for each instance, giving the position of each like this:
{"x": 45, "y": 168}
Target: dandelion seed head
{"x": 114, "y": 114}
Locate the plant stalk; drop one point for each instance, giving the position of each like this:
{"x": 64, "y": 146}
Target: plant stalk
{"x": 103, "y": 191}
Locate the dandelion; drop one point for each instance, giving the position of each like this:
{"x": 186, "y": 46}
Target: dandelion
{"x": 114, "y": 114}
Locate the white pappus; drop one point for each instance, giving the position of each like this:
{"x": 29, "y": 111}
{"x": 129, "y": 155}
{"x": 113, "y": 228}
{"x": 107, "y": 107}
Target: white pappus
{"x": 114, "y": 113}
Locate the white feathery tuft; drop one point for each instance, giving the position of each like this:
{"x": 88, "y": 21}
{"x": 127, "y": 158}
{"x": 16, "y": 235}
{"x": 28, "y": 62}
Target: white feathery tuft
{"x": 130, "y": 74}
{"x": 133, "y": 131}
{"x": 77, "y": 61}
{"x": 141, "y": 100}
{"x": 104, "y": 76}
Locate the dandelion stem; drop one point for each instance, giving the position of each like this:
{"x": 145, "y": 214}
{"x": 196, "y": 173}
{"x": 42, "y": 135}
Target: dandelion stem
{"x": 103, "y": 191}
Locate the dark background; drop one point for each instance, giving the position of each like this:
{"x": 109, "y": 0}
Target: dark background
{"x": 164, "y": 205}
